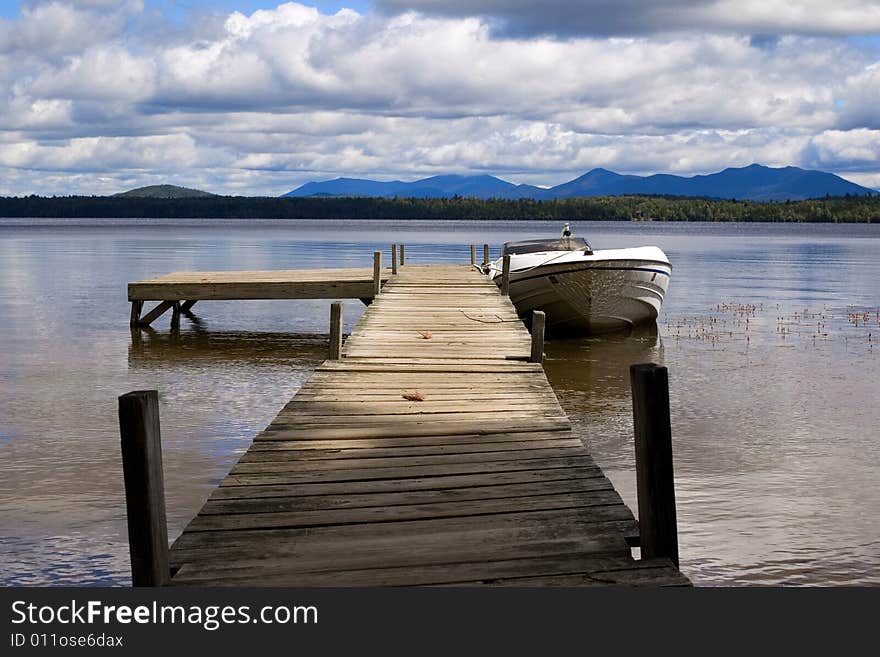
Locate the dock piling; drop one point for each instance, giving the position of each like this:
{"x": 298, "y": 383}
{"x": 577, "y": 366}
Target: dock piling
{"x": 144, "y": 487}
{"x": 394, "y": 259}
{"x": 175, "y": 316}
{"x": 485, "y": 254}
{"x": 136, "y": 307}
{"x": 538, "y": 321}
{"x": 377, "y": 272}
{"x": 654, "y": 469}
{"x": 473, "y": 254}
{"x": 402, "y": 248}
{"x": 505, "y": 277}
{"x": 335, "y": 330}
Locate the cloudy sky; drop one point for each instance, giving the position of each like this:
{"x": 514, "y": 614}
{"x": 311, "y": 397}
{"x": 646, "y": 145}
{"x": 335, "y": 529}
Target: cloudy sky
{"x": 257, "y": 97}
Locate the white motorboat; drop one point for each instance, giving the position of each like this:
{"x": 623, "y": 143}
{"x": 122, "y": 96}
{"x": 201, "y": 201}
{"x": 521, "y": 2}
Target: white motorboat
{"x": 581, "y": 290}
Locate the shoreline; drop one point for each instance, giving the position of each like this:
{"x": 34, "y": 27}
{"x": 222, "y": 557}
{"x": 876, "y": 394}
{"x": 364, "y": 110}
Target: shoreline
{"x": 636, "y": 209}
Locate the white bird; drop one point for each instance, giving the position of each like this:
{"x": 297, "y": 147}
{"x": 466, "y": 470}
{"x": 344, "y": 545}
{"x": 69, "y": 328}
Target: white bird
{"x": 566, "y": 231}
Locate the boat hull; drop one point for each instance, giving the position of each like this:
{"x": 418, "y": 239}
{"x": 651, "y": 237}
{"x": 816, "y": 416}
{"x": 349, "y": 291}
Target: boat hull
{"x": 588, "y": 294}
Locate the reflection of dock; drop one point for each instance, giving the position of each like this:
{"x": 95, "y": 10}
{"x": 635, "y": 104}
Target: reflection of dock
{"x": 432, "y": 452}
{"x": 151, "y": 349}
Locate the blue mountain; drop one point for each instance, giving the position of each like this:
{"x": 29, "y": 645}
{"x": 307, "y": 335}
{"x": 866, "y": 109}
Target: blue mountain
{"x": 755, "y": 182}
{"x": 434, "y": 187}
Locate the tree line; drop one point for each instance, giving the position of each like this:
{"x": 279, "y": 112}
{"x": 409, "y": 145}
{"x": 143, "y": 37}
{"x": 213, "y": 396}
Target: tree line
{"x": 845, "y": 209}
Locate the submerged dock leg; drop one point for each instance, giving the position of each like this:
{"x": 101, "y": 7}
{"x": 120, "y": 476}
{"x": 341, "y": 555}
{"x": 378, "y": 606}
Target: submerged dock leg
{"x": 658, "y": 528}
{"x": 144, "y": 487}
{"x": 136, "y": 308}
{"x": 335, "y": 330}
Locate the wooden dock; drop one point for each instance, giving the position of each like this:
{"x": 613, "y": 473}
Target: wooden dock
{"x": 431, "y": 453}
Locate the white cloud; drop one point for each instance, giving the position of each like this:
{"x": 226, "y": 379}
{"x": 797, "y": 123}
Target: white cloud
{"x": 260, "y": 103}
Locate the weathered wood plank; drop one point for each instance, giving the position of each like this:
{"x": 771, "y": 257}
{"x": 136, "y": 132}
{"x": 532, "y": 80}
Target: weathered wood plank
{"x": 578, "y": 568}
{"x": 397, "y": 472}
{"x": 401, "y": 485}
{"x": 396, "y": 429}
{"x": 598, "y": 506}
{"x": 486, "y": 440}
{"x": 345, "y": 450}
{"x": 361, "y": 500}
{"x": 353, "y": 461}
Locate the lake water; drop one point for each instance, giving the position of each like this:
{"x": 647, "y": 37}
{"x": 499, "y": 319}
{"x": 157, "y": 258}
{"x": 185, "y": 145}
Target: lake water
{"x": 771, "y": 334}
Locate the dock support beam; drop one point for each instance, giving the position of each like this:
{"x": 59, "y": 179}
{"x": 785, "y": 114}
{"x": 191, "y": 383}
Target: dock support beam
{"x": 155, "y": 313}
{"x": 144, "y": 487}
{"x": 485, "y": 254}
{"x": 505, "y": 276}
{"x": 402, "y": 249}
{"x": 175, "y": 316}
{"x": 538, "y": 321}
{"x": 473, "y": 254}
{"x": 654, "y": 471}
{"x": 335, "y": 330}
{"x": 377, "y": 272}
{"x": 394, "y": 259}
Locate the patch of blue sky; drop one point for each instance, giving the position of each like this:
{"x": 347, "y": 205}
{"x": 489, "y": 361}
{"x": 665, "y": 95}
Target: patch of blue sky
{"x": 9, "y": 8}
{"x": 866, "y": 42}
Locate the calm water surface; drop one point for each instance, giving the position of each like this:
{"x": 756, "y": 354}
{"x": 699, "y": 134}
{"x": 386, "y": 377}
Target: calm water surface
{"x": 770, "y": 333}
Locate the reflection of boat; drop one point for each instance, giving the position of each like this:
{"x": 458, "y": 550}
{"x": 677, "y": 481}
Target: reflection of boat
{"x": 585, "y": 291}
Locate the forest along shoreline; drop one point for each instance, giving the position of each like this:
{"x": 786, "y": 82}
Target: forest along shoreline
{"x": 844, "y": 209}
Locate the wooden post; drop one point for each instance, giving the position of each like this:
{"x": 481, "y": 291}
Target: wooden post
{"x": 175, "y": 316}
{"x": 485, "y": 254}
{"x": 335, "y": 330}
{"x": 144, "y": 487}
{"x": 402, "y": 248}
{"x": 473, "y": 254}
{"x": 654, "y": 472}
{"x": 394, "y": 259}
{"x": 505, "y": 276}
{"x": 377, "y": 272}
{"x": 136, "y": 308}
{"x": 538, "y": 320}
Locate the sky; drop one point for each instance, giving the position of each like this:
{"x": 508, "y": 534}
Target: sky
{"x": 256, "y": 97}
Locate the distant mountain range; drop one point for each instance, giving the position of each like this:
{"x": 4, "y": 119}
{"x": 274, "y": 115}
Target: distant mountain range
{"x": 164, "y": 191}
{"x": 755, "y": 182}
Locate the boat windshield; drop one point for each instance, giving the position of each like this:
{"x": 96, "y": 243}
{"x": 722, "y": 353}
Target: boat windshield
{"x": 536, "y": 246}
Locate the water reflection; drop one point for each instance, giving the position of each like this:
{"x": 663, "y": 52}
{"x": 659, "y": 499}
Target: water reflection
{"x": 177, "y": 348}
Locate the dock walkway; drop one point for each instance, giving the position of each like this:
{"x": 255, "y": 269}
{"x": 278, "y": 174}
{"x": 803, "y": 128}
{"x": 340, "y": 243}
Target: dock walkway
{"x": 432, "y": 453}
